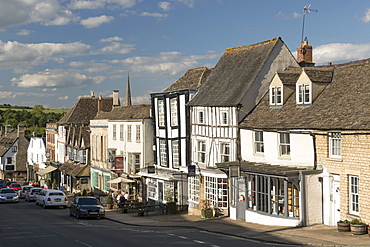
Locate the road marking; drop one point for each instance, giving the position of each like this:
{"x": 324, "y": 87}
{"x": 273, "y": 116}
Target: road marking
{"x": 83, "y": 243}
{"x": 183, "y": 237}
{"x": 199, "y": 242}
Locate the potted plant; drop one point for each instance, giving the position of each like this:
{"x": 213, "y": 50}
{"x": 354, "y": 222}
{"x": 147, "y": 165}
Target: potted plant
{"x": 110, "y": 202}
{"x": 206, "y": 210}
{"x": 170, "y": 204}
{"x": 343, "y": 226}
{"x": 358, "y": 227}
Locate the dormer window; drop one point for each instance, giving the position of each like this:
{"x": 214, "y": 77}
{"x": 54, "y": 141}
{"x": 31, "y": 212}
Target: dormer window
{"x": 304, "y": 93}
{"x": 276, "y": 95}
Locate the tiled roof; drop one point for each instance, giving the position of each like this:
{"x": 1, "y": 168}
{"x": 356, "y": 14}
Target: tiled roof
{"x": 236, "y": 71}
{"x": 126, "y": 112}
{"x": 343, "y": 105}
{"x": 86, "y": 109}
{"x": 193, "y": 78}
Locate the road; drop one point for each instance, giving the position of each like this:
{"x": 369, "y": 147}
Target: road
{"x": 24, "y": 224}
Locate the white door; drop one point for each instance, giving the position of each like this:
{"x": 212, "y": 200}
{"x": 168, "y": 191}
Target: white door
{"x": 335, "y": 202}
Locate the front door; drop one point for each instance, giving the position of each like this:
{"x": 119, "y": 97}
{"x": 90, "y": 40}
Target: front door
{"x": 335, "y": 202}
{"x": 241, "y": 202}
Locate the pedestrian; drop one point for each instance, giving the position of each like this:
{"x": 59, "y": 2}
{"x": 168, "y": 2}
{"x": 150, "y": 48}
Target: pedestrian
{"x": 126, "y": 196}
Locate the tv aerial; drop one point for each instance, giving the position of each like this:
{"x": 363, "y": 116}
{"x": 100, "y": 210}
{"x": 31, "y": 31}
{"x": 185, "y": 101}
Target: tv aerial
{"x": 306, "y": 10}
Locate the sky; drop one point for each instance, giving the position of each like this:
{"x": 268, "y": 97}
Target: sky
{"x": 54, "y": 51}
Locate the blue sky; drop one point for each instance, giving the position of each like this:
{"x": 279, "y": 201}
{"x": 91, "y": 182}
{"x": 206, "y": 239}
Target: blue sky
{"x": 53, "y": 51}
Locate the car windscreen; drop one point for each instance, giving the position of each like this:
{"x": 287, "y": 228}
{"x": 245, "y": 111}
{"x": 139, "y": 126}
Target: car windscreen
{"x": 88, "y": 201}
{"x": 6, "y": 191}
{"x": 56, "y": 194}
{"x": 15, "y": 185}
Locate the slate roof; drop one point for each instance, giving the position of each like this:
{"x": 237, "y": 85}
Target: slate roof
{"x": 76, "y": 134}
{"x": 126, "y": 112}
{"x": 343, "y": 105}
{"x": 193, "y": 78}
{"x": 86, "y": 109}
{"x": 234, "y": 74}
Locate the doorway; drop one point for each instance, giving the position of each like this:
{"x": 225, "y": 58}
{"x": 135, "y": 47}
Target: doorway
{"x": 241, "y": 202}
{"x": 335, "y": 200}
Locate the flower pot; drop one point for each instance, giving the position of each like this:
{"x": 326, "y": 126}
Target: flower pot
{"x": 358, "y": 229}
{"x": 207, "y": 213}
{"x": 343, "y": 227}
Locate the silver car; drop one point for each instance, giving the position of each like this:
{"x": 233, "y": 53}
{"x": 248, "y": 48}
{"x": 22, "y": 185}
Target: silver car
{"x": 31, "y": 194}
{"x": 22, "y": 192}
{"x": 8, "y": 195}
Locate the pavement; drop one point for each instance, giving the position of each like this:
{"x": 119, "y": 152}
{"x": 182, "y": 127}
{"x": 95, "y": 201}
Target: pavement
{"x": 317, "y": 235}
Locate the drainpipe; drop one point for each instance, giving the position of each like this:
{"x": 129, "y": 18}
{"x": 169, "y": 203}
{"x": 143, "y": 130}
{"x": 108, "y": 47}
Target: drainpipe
{"x": 314, "y": 150}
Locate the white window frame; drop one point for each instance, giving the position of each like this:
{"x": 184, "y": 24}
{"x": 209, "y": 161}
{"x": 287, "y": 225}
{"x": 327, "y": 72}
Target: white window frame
{"x": 225, "y": 151}
{"x": 173, "y": 109}
{"x": 134, "y": 162}
{"x": 152, "y": 188}
{"x": 258, "y": 142}
{"x": 201, "y": 151}
{"x": 138, "y": 131}
{"x": 276, "y": 95}
{"x": 161, "y": 112}
{"x": 304, "y": 93}
{"x": 284, "y": 144}
{"x": 114, "y": 131}
{"x": 200, "y": 117}
{"x": 175, "y": 154}
{"x": 121, "y": 132}
{"x": 335, "y": 145}
{"x": 224, "y": 118}
{"x": 354, "y": 187}
{"x": 194, "y": 188}
{"x": 216, "y": 191}
{"x": 163, "y": 152}
{"x": 129, "y": 133}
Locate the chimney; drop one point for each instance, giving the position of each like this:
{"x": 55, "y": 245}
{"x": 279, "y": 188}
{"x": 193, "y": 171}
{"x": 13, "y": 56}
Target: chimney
{"x": 8, "y": 129}
{"x": 304, "y": 54}
{"x": 92, "y": 93}
{"x": 21, "y": 130}
{"x": 115, "y": 98}
{"x": 100, "y": 103}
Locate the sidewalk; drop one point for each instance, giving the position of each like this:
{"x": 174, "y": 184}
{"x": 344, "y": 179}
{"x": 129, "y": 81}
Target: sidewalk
{"x": 318, "y": 235}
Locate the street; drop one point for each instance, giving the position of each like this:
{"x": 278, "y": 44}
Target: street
{"x": 26, "y": 225}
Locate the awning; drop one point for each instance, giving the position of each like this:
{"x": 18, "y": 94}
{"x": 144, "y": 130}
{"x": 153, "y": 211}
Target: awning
{"x": 121, "y": 180}
{"x": 46, "y": 170}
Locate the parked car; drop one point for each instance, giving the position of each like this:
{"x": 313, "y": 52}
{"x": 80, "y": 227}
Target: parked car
{"x": 31, "y": 194}
{"x": 23, "y": 190}
{"x": 51, "y": 198}
{"x": 8, "y": 195}
{"x": 87, "y": 207}
{"x": 15, "y": 186}
{"x": 9, "y": 182}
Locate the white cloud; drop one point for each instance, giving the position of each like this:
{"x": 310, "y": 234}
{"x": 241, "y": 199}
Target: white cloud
{"x": 116, "y": 47}
{"x": 169, "y": 63}
{"x": 115, "y": 38}
{"x": 14, "y": 53}
{"x": 340, "y": 52}
{"x": 13, "y": 95}
{"x": 282, "y": 15}
{"x": 93, "y": 22}
{"x": 63, "y": 97}
{"x": 55, "y": 79}
{"x": 24, "y": 32}
{"x": 166, "y": 6}
{"x": 189, "y": 3}
{"x": 366, "y": 18}
{"x": 157, "y": 15}
{"x": 19, "y": 12}
{"x": 100, "y": 4}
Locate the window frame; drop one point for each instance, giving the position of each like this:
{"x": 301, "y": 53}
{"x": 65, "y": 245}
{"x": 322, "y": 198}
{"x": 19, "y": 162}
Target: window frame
{"x": 275, "y": 97}
{"x": 304, "y": 96}
{"x": 129, "y": 133}
{"x": 121, "y": 132}
{"x": 174, "y": 112}
{"x": 194, "y": 189}
{"x": 138, "y": 132}
{"x": 114, "y": 132}
{"x": 201, "y": 151}
{"x": 225, "y": 151}
{"x": 161, "y": 111}
{"x": 224, "y": 118}
{"x": 201, "y": 117}
{"x": 335, "y": 145}
{"x": 258, "y": 142}
{"x": 163, "y": 152}
{"x": 175, "y": 154}
{"x": 216, "y": 191}
{"x": 284, "y": 143}
{"x": 354, "y": 188}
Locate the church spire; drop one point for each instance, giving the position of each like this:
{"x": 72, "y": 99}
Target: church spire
{"x": 128, "y": 91}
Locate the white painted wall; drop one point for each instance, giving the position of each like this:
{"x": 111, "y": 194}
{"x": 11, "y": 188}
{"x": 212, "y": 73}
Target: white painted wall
{"x": 36, "y": 152}
{"x": 301, "y": 147}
